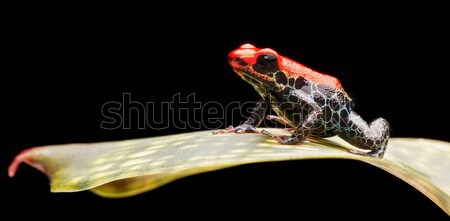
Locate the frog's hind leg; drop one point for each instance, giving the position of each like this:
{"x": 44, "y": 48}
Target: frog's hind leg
{"x": 373, "y": 136}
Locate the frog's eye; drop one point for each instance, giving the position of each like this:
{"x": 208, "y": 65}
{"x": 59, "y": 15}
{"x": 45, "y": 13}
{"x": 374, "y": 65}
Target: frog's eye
{"x": 266, "y": 63}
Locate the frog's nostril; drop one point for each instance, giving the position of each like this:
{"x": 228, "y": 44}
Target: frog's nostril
{"x": 247, "y": 46}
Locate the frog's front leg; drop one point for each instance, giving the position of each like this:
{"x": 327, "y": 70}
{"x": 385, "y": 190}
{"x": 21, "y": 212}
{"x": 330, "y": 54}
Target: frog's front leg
{"x": 373, "y": 136}
{"x": 303, "y": 129}
{"x": 254, "y": 120}
{"x": 280, "y": 120}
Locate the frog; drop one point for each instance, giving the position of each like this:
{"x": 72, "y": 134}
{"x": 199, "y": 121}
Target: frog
{"x": 309, "y": 103}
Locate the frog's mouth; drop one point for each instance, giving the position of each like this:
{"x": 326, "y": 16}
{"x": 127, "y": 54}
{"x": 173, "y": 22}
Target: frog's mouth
{"x": 248, "y": 77}
{"x": 257, "y": 79}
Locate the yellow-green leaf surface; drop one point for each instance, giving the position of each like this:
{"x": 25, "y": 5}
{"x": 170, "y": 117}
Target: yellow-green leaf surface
{"x": 130, "y": 167}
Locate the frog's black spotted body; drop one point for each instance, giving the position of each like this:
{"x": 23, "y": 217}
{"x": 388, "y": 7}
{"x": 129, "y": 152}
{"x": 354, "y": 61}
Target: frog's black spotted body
{"x": 337, "y": 116}
{"x": 335, "y": 105}
{"x": 307, "y": 101}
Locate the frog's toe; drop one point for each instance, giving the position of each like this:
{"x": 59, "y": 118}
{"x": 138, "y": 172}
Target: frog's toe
{"x": 377, "y": 153}
{"x": 289, "y": 140}
{"x": 222, "y": 131}
{"x": 282, "y": 139}
{"x": 244, "y": 128}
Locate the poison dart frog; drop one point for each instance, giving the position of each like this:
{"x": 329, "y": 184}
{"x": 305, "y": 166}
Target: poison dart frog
{"x": 308, "y": 102}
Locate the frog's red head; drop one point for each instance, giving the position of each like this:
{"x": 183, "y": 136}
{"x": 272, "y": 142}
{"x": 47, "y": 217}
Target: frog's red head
{"x": 266, "y": 69}
{"x": 257, "y": 66}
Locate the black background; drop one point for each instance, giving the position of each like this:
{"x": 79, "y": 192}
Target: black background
{"x": 62, "y": 69}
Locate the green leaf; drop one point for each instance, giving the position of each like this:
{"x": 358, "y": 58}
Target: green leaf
{"x": 126, "y": 168}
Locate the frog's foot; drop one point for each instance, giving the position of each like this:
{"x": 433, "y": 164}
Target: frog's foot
{"x": 243, "y": 128}
{"x": 284, "y": 139}
{"x": 378, "y": 153}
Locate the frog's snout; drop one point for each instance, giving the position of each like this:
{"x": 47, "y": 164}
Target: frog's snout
{"x": 237, "y": 62}
{"x": 243, "y": 56}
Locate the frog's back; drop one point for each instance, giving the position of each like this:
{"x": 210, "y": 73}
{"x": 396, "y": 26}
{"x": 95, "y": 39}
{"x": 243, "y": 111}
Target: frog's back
{"x": 296, "y": 69}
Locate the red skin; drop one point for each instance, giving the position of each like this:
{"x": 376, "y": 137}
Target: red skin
{"x": 250, "y": 53}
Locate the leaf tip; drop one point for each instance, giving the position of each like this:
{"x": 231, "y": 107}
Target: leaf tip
{"x": 21, "y": 157}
